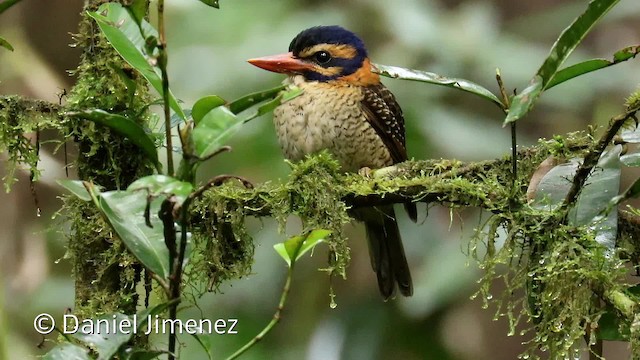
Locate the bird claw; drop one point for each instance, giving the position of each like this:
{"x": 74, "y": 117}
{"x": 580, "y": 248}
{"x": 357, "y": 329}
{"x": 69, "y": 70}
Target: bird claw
{"x": 366, "y": 172}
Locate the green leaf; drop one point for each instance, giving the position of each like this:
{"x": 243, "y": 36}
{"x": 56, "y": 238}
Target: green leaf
{"x": 76, "y": 187}
{"x": 5, "y": 44}
{"x": 67, "y": 351}
{"x": 522, "y": 103}
{"x": 431, "y": 78}
{"x": 205, "y": 104}
{"x": 6, "y": 4}
{"x": 214, "y": 130}
{"x": 282, "y": 251}
{"x": 205, "y": 343}
{"x": 592, "y": 65}
{"x": 102, "y": 336}
{"x": 157, "y": 185}
{"x": 631, "y": 135}
{"x": 631, "y": 159}
{"x": 593, "y": 205}
{"x": 611, "y": 327}
{"x": 212, "y": 3}
{"x": 138, "y": 10}
{"x": 296, "y": 246}
{"x": 268, "y": 107}
{"x": 125, "y": 212}
{"x": 313, "y": 238}
{"x": 247, "y": 101}
{"x": 125, "y": 36}
{"x": 123, "y": 126}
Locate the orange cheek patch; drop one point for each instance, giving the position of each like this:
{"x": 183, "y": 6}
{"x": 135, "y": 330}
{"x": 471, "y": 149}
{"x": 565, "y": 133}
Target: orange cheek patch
{"x": 363, "y": 76}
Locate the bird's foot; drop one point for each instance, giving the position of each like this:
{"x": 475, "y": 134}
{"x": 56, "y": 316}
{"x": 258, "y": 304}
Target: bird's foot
{"x": 366, "y": 172}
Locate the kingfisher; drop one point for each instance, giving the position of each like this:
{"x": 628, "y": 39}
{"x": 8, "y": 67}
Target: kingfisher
{"x": 345, "y": 109}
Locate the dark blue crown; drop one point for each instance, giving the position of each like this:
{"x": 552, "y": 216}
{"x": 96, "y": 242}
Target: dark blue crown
{"x": 330, "y": 35}
{"x": 333, "y": 34}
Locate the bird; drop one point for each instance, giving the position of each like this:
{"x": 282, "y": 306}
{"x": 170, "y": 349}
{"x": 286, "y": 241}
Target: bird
{"x": 345, "y": 109}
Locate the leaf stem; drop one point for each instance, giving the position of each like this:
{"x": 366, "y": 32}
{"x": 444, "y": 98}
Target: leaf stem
{"x": 162, "y": 64}
{"x": 276, "y": 317}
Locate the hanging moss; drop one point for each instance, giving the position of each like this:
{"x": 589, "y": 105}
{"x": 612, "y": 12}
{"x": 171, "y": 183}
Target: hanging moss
{"x": 19, "y": 121}
{"x": 223, "y": 249}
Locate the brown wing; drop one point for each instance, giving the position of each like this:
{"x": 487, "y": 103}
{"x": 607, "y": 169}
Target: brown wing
{"x": 384, "y": 114}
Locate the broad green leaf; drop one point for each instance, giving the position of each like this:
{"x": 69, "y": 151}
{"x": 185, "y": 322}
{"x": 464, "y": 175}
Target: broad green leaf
{"x": 205, "y": 343}
{"x": 125, "y": 212}
{"x": 125, "y": 36}
{"x": 5, "y": 44}
{"x": 314, "y": 238}
{"x": 270, "y": 105}
{"x": 214, "y": 130}
{"x": 67, "y": 351}
{"x": 102, "y": 336}
{"x": 138, "y": 9}
{"x": 592, "y": 65}
{"x": 554, "y": 186}
{"x": 76, "y": 187}
{"x": 6, "y": 4}
{"x": 634, "y": 290}
{"x": 593, "y": 205}
{"x": 293, "y": 248}
{"x": 282, "y": 251}
{"x": 125, "y": 127}
{"x": 247, "y": 101}
{"x": 431, "y": 78}
{"x": 157, "y": 185}
{"x": 205, "y": 104}
{"x": 522, "y": 103}
{"x": 611, "y": 327}
{"x": 631, "y": 135}
{"x": 631, "y": 159}
{"x": 212, "y": 3}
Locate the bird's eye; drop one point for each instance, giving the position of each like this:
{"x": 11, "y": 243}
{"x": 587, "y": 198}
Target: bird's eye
{"x": 322, "y": 57}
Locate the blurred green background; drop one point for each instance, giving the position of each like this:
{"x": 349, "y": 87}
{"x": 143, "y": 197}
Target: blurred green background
{"x": 208, "y": 49}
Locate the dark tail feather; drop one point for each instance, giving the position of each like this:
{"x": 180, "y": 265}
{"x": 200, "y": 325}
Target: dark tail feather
{"x": 412, "y": 211}
{"x": 387, "y": 253}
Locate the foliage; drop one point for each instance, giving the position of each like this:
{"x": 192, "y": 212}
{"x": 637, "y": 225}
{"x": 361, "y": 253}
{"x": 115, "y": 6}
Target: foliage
{"x": 556, "y": 252}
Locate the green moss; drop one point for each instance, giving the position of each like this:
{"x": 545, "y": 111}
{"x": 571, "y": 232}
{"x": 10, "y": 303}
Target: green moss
{"x": 106, "y": 81}
{"x": 223, "y": 249}
{"x": 558, "y": 270}
{"x": 633, "y": 100}
{"x": 314, "y": 192}
{"x": 104, "y": 270}
{"x": 19, "y": 121}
